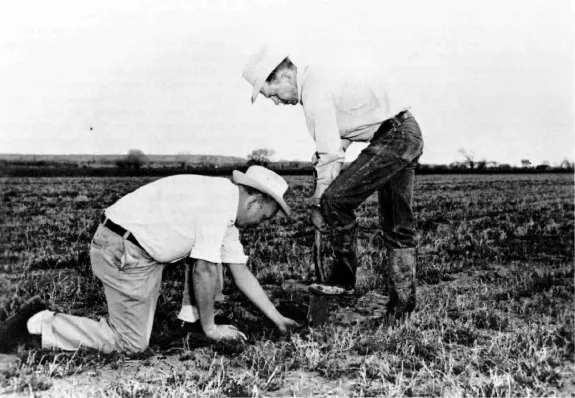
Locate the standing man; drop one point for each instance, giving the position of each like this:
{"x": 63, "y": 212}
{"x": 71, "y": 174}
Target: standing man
{"x": 183, "y": 216}
{"x": 341, "y": 107}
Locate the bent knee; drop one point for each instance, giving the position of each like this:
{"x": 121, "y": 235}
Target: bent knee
{"x": 329, "y": 194}
{"x": 131, "y": 345}
{"x": 329, "y": 200}
{"x": 121, "y": 344}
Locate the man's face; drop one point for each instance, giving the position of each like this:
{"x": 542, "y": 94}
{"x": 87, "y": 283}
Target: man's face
{"x": 282, "y": 90}
{"x": 255, "y": 213}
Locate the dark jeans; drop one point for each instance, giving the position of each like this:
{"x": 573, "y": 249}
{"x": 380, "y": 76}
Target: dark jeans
{"x": 387, "y": 165}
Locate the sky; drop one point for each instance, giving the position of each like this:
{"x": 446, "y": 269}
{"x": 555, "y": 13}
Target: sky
{"x": 492, "y": 77}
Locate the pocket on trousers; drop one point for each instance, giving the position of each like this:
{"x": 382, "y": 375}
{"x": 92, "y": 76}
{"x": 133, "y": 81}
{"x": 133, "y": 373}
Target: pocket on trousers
{"x": 108, "y": 251}
{"x": 390, "y": 146}
{"x": 413, "y": 147}
{"x": 129, "y": 259}
{"x": 133, "y": 258}
{"x": 100, "y": 239}
{"x": 407, "y": 144}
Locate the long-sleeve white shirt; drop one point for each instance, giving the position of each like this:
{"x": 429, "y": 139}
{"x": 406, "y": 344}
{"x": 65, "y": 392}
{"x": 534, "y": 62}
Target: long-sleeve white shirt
{"x": 341, "y": 106}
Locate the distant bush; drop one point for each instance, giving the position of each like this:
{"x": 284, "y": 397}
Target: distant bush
{"x": 260, "y": 157}
{"x": 135, "y": 159}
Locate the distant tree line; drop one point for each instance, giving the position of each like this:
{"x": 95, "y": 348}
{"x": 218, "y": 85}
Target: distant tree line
{"x": 492, "y": 167}
{"x": 136, "y": 162}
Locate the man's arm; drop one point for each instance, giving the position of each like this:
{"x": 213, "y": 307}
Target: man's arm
{"x": 205, "y": 281}
{"x": 321, "y": 122}
{"x": 327, "y": 170}
{"x": 251, "y": 288}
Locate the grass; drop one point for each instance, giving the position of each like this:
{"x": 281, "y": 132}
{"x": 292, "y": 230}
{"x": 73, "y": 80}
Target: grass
{"x": 494, "y": 315}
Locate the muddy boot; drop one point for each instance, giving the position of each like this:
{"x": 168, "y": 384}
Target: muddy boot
{"x": 14, "y": 330}
{"x": 401, "y": 268}
{"x": 345, "y": 265}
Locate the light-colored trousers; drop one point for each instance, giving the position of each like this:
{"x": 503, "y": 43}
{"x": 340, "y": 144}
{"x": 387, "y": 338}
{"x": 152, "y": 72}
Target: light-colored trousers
{"x": 131, "y": 281}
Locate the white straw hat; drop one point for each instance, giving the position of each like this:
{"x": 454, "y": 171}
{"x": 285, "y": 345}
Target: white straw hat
{"x": 266, "y": 181}
{"x": 260, "y": 65}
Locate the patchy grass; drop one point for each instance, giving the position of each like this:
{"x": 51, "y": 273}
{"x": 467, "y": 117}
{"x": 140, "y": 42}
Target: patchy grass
{"x": 494, "y": 315}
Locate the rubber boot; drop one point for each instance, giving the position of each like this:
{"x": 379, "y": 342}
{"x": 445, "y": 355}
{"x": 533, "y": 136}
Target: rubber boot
{"x": 401, "y": 267}
{"x": 345, "y": 266}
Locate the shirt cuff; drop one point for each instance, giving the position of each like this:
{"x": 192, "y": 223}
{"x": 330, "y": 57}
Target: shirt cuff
{"x": 206, "y": 254}
{"x": 234, "y": 259}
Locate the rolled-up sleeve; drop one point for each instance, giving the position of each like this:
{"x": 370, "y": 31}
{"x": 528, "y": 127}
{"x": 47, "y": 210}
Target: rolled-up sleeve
{"x": 208, "y": 245}
{"x": 232, "y": 249}
{"x": 210, "y": 234}
{"x": 218, "y": 243}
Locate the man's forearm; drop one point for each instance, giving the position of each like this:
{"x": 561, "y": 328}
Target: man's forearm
{"x": 251, "y": 288}
{"x": 326, "y": 173}
{"x": 205, "y": 280}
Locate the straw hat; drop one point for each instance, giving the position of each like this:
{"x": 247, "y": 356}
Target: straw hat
{"x": 260, "y": 65}
{"x": 266, "y": 181}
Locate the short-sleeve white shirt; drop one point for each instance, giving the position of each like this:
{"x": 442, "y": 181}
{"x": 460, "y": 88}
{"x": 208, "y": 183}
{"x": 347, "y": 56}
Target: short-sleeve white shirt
{"x": 183, "y": 215}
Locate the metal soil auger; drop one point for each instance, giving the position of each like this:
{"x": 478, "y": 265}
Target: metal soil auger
{"x": 317, "y": 258}
{"x": 318, "y": 303}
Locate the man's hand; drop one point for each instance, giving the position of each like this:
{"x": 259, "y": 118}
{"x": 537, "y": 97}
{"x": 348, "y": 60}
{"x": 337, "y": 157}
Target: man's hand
{"x": 284, "y": 324}
{"x": 225, "y": 332}
{"x": 317, "y": 219}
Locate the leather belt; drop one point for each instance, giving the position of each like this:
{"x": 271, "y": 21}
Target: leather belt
{"x": 112, "y": 226}
{"x": 396, "y": 121}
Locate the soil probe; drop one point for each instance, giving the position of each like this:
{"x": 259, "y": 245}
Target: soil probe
{"x": 318, "y": 303}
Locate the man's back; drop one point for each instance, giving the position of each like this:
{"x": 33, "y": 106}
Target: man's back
{"x": 169, "y": 215}
{"x": 360, "y": 99}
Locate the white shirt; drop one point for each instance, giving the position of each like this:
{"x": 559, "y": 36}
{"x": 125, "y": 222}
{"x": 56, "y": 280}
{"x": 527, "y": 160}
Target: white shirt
{"x": 183, "y": 215}
{"x": 341, "y": 106}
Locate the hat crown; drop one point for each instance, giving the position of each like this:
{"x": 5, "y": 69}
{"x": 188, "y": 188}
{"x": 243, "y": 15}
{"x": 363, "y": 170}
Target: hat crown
{"x": 268, "y": 179}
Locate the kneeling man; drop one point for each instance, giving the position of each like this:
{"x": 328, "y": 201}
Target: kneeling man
{"x": 160, "y": 223}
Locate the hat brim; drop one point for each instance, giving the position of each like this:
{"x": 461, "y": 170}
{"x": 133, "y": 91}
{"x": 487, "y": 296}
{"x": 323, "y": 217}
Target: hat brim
{"x": 241, "y": 178}
{"x": 256, "y": 91}
{"x": 262, "y": 75}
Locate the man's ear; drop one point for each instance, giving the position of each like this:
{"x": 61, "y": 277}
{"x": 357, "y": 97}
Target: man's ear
{"x": 252, "y": 201}
{"x": 286, "y": 75}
